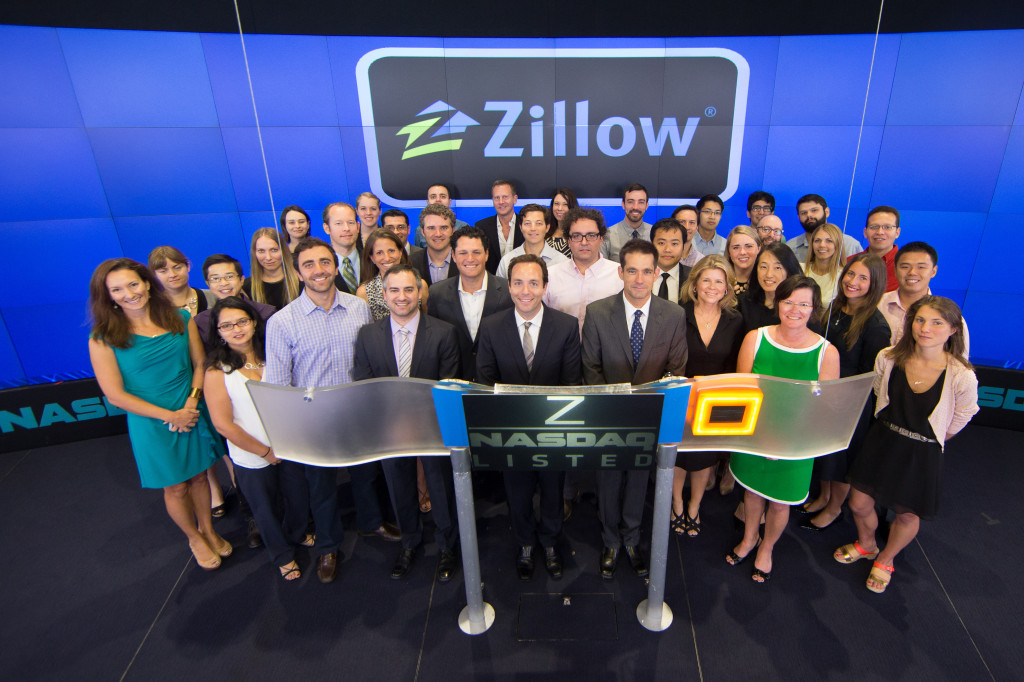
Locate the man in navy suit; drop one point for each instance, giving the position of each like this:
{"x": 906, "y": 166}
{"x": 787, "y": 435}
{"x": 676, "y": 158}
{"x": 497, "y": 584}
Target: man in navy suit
{"x": 503, "y": 234}
{"x": 531, "y": 344}
{"x": 631, "y": 338}
{"x": 465, "y": 300}
{"x": 408, "y": 344}
{"x": 435, "y": 263}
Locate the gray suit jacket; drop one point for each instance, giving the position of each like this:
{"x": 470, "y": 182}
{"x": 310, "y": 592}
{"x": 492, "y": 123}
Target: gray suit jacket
{"x": 435, "y": 353}
{"x": 607, "y": 356}
{"x": 444, "y": 303}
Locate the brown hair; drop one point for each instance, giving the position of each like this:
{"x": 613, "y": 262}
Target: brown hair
{"x": 713, "y": 262}
{"x": 950, "y": 312}
{"x": 291, "y": 279}
{"x": 159, "y": 256}
{"x": 109, "y": 323}
{"x": 793, "y": 283}
{"x": 869, "y": 304}
{"x": 368, "y": 270}
{"x": 835, "y": 262}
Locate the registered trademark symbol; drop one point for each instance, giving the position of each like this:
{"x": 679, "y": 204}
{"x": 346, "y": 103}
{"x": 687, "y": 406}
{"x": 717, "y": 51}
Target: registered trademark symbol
{"x": 710, "y": 111}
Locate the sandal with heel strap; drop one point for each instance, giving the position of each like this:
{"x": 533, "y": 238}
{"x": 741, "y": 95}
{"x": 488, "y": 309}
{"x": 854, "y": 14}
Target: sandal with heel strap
{"x": 879, "y": 577}
{"x": 847, "y": 554}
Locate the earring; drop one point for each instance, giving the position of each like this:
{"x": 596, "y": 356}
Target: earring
{"x": 115, "y": 306}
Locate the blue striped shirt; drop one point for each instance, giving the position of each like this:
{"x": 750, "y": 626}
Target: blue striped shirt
{"x": 308, "y": 346}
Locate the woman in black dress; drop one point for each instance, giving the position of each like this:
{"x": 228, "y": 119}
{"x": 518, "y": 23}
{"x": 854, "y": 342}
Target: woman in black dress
{"x": 741, "y": 249}
{"x": 859, "y": 331}
{"x": 272, "y": 278}
{"x": 294, "y": 225}
{"x": 927, "y": 392}
{"x": 714, "y": 331}
{"x": 775, "y": 263}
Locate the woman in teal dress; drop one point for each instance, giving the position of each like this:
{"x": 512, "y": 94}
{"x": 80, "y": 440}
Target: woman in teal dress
{"x": 791, "y": 351}
{"x": 147, "y": 357}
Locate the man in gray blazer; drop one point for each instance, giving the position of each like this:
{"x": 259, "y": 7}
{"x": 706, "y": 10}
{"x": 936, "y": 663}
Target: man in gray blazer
{"x": 409, "y": 344}
{"x": 634, "y": 338}
{"x": 465, "y": 300}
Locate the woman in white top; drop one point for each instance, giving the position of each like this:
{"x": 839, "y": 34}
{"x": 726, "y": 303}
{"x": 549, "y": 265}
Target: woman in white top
{"x": 825, "y": 259}
{"x": 534, "y": 220}
{"x": 237, "y": 358}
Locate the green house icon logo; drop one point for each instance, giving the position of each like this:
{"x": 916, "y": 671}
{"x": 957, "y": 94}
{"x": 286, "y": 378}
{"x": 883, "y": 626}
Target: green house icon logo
{"x": 456, "y": 124}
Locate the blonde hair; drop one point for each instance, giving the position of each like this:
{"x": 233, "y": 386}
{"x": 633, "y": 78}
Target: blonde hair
{"x": 291, "y": 279}
{"x": 712, "y": 262}
{"x": 838, "y": 258}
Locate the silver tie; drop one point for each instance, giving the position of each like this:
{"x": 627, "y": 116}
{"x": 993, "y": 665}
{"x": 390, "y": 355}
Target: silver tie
{"x": 528, "y": 345}
{"x": 404, "y": 353}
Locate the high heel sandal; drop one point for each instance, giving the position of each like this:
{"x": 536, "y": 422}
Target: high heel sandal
{"x": 209, "y": 564}
{"x": 678, "y": 523}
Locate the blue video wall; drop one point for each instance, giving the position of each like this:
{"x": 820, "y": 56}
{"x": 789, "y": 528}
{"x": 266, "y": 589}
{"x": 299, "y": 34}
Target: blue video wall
{"x": 114, "y": 142}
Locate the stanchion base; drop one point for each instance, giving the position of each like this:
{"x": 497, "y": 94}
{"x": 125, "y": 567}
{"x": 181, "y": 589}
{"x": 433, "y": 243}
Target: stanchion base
{"x": 653, "y": 624}
{"x": 466, "y": 626}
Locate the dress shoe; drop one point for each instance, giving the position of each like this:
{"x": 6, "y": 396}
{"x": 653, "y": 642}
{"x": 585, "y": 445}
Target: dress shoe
{"x": 403, "y": 563}
{"x": 637, "y": 561}
{"x": 553, "y": 562}
{"x": 327, "y": 567}
{"x": 387, "y": 531}
{"x": 447, "y": 565}
{"x": 524, "y": 562}
{"x": 253, "y": 534}
{"x": 608, "y": 559}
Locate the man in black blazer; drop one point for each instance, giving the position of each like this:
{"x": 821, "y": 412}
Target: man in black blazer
{"x": 431, "y": 350}
{"x": 435, "y": 263}
{"x": 465, "y": 300}
{"x": 669, "y": 238}
{"x": 504, "y": 198}
{"x": 550, "y": 356}
{"x": 635, "y": 338}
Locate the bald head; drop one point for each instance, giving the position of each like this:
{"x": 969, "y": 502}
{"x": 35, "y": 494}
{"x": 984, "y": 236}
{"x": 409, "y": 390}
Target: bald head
{"x": 769, "y": 229}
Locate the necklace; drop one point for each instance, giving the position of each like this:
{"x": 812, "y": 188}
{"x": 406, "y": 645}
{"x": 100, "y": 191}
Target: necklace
{"x": 190, "y": 302}
{"x": 257, "y": 365}
{"x": 712, "y": 318}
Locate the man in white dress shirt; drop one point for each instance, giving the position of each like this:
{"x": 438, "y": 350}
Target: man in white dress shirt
{"x": 534, "y": 220}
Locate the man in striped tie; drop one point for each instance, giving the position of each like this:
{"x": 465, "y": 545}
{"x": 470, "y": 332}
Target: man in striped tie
{"x": 410, "y": 344}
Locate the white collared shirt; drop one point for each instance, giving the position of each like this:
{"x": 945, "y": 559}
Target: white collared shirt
{"x": 473, "y": 306}
{"x": 506, "y": 245}
{"x": 673, "y": 283}
{"x": 534, "y": 330}
{"x": 550, "y": 255}
{"x": 645, "y": 311}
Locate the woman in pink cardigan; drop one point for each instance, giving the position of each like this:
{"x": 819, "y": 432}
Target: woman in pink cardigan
{"x": 927, "y": 392}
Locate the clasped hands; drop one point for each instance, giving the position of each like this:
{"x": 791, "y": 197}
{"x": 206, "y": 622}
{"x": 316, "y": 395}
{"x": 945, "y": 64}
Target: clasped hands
{"x": 182, "y": 420}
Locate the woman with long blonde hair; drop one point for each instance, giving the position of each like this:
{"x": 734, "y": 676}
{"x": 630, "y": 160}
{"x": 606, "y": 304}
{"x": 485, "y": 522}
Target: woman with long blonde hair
{"x": 272, "y": 278}
{"x": 825, "y": 258}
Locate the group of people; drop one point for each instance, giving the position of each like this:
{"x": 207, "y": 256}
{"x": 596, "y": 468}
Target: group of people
{"x": 546, "y": 296}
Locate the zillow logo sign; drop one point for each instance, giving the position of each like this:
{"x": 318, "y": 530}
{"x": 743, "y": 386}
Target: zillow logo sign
{"x": 593, "y": 120}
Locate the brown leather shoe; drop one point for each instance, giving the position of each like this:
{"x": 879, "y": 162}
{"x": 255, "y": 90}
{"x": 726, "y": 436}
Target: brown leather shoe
{"x": 327, "y": 567}
{"x": 387, "y": 531}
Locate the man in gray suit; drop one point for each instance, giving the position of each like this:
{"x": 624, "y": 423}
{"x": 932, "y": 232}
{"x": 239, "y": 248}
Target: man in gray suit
{"x": 408, "y": 344}
{"x": 634, "y": 338}
{"x": 465, "y": 300}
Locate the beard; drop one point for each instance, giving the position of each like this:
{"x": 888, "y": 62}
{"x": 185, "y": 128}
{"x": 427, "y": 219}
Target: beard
{"x": 814, "y": 225}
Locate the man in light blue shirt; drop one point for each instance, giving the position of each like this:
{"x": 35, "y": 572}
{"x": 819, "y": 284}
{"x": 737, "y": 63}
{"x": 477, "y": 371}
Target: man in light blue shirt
{"x": 634, "y": 203}
{"x": 709, "y": 214}
{"x": 812, "y": 210}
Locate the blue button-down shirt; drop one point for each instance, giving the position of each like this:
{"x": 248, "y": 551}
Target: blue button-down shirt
{"x": 310, "y": 347}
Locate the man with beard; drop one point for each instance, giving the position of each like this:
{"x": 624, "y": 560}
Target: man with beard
{"x": 634, "y": 203}
{"x": 812, "y": 210}
{"x": 769, "y": 229}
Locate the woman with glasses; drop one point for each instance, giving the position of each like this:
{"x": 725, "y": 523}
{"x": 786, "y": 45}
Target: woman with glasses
{"x": 148, "y": 358}
{"x": 926, "y": 393}
{"x": 714, "y": 330}
{"x": 272, "y": 278}
{"x": 825, "y": 259}
{"x": 791, "y": 351}
{"x": 741, "y": 248}
{"x": 266, "y": 482}
{"x": 858, "y": 330}
{"x": 563, "y": 201}
{"x": 294, "y": 225}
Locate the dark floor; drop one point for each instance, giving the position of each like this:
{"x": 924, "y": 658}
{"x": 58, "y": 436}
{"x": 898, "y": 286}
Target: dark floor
{"x": 99, "y": 585}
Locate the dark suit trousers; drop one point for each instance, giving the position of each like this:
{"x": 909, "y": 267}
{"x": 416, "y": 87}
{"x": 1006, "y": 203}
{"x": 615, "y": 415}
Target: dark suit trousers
{"x": 364, "y": 496}
{"x": 400, "y": 474}
{"x": 620, "y": 506}
{"x": 321, "y": 487}
{"x": 281, "y": 519}
{"x": 526, "y": 529}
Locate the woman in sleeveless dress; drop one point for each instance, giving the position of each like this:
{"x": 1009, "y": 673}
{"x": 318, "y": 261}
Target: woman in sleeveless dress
{"x": 239, "y": 357}
{"x": 147, "y": 357}
{"x": 927, "y": 392}
{"x": 383, "y": 249}
{"x": 791, "y": 351}
{"x": 272, "y": 278}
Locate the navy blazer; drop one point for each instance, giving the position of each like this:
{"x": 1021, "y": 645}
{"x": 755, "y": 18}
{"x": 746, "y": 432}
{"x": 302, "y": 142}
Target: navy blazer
{"x": 490, "y": 227}
{"x": 556, "y": 358}
{"x": 607, "y": 355}
{"x": 444, "y": 303}
{"x": 435, "y": 353}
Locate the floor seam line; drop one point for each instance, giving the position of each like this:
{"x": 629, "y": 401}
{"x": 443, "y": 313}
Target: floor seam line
{"x": 689, "y": 612}
{"x": 155, "y": 619}
{"x": 426, "y": 623}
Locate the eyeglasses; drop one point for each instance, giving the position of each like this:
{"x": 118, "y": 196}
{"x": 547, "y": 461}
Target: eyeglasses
{"x": 803, "y": 307}
{"x": 217, "y": 279}
{"x": 763, "y": 210}
{"x": 770, "y": 230}
{"x": 242, "y": 323}
{"x": 709, "y": 212}
{"x": 883, "y": 228}
{"x": 576, "y": 237}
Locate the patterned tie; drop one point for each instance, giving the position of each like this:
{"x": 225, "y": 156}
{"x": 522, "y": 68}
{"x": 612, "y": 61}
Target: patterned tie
{"x": 528, "y": 345}
{"x": 664, "y": 286}
{"x": 348, "y": 274}
{"x": 404, "y": 353}
{"x": 636, "y": 337}
{"x": 636, "y": 235}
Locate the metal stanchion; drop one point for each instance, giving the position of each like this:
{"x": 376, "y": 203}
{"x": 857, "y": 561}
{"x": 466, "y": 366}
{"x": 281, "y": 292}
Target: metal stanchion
{"x": 478, "y": 615}
{"x": 653, "y": 613}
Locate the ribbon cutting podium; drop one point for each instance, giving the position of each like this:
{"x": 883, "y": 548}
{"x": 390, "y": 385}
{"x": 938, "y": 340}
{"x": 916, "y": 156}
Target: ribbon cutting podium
{"x": 560, "y": 428}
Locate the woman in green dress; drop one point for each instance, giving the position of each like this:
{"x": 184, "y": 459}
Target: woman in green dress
{"x": 791, "y": 351}
{"x": 148, "y": 360}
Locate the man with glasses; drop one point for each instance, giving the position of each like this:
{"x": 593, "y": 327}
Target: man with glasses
{"x": 632, "y": 226}
{"x": 587, "y": 276}
{"x": 769, "y": 229}
{"x": 223, "y": 274}
{"x": 759, "y": 205}
{"x": 881, "y": 231}
{"x": 709, "y": 213}
{"x": 812, "y": 210}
